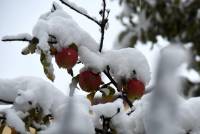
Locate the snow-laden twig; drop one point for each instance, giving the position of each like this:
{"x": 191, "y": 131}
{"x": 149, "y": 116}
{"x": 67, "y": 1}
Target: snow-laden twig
{"x": 5, "y": 102}
{"x": 80, "y": 12}
{"x": 103, "y": 24}
{"x": 26, "y": 38}
{"x": 18, "y": 37}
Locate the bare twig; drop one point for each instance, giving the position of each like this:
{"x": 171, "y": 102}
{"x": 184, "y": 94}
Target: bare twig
{"x": 6, "y": 102}
{"x": 107, "y": 73}
{"x": 103, "y": 24}
{"x": 22, "y": 39}
{"x": 87, "y": 16}
{"x": 26, "y": 40}
{"x": 105, "y": 85}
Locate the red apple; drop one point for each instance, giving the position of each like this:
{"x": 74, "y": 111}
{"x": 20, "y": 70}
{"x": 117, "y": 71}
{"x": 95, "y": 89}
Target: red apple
{"x": 134, "y": 89}
{"x": 89, "y": 81}
{"x": 66, "y": 58}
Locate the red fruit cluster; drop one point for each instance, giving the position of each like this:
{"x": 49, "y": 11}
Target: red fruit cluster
{"x": 134, "y": 89}
{"x": 66, "y": 58}
{"x": 89, "y": 81}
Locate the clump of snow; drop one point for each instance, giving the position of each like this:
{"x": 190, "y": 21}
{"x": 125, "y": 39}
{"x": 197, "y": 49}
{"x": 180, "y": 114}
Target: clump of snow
{"x": 173, "y": 56}
{"x": 108, "y": 109}
{"x": 123, "y": 63}
{"x": 80, "y": 9}
{"x": 14, "y": 121}
{"x": 22, "y": 36}
{"x": 91, "y": 59}
{"x": 121, "y": 122}
{"x": 28, "y": 92}
{"x": 176, "y": 114}
{"x": 64, "y": 28}
{"x": 76, "y": 118}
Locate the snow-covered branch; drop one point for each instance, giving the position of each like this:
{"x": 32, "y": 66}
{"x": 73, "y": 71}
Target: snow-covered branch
{"x": 79, "y": 10}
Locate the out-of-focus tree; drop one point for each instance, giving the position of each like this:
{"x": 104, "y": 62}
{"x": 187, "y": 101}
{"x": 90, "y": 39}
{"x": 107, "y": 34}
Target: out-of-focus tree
{"x": 176, "y": 20}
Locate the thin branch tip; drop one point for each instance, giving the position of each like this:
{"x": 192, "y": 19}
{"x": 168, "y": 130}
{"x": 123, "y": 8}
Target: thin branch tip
{"x": 78, "y": 11}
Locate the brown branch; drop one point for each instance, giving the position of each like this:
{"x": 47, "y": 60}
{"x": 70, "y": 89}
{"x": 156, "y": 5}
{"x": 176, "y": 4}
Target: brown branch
{"x": 24, "y": 39}
{"x": 107, "y": 73}
{"x": 17, "y": 39}
{"x": 103, "y": 24}
{"x": 87, "y": 16}
{"x": 6, "y": 102}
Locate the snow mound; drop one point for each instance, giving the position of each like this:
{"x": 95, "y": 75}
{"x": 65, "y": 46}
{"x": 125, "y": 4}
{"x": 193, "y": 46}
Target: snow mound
{"x": 76, "y": 118}
{"x": 28, "y": 92}
{"x": 124, "y": 63}
{"x": 66, "y": 31}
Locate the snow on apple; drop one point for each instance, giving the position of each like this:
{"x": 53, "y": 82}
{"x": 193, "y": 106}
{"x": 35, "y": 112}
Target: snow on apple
{"x": 64, "y": 29}
{"x": 124, "y": 63}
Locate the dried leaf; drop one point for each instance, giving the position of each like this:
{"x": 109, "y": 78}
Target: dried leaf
{"x": 109, "y": 91}
{"x": 90, "y": 96}
{"x": 46, "y": 66}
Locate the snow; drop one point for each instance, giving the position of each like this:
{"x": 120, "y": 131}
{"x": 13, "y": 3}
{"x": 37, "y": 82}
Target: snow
{"x": 59, "y": 24}
{"x": 81, "y": 9}
{"x": 24, "y": 89}
{"x": 176, "y": 114}
{"x": 75, "y": 114}
{"x": 25, "y": 36}
{"x": 121, "y": 123}
{"x": 186, "y": 117}
{"x": 64, "y": 28}
{"x": 128, "y": 60}
{"x": 13, "y": 120}
{"x": 119, "y": 119}
{"x": 91, "y": 59}
{"x": 122, "y": 63}
{"x": 190, "y": 74}
{"x": 108, "y": 109}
